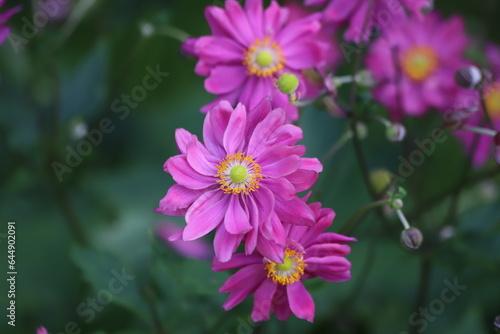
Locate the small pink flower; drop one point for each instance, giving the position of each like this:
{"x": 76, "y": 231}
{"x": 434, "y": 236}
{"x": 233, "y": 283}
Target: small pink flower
{"x": 361, "y": 16}
{"x": 249, "y": 48}
{"x": 277, "y": 287}
{"x": 41, "y": 330}
{"x": 5, "y": 29}
{"x": 195, "y": 249}
{"x": 242, "y": 181}
{"x": 415, "y": 63}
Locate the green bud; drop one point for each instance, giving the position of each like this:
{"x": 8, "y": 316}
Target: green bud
{"x": 288, "y": 83}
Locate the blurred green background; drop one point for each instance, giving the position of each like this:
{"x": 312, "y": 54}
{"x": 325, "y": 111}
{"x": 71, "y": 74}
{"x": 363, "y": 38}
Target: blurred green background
{"x": 74, "y": 236}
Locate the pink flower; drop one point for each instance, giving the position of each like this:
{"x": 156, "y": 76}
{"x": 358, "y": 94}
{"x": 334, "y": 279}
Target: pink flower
{"x": 277, "y": 287}
{"x": 361, "y": 17}
{"x": 415, "y": 63}
{"x": 41, "y": 330}
{"x": 249, "y": 48}
{"x": 242, "y": 181}
{"x": 195, "y": 249}
{"x": 4, "y": 29}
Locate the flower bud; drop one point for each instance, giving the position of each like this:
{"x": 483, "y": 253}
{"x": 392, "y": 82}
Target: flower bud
{"x": 365, "y": 79}
{"x": 412, "y": 238}
{"x": 288, "y": 83}
{"x": 361, "y": 130}
{"x": 395, "y": 132}
{"x": 469, "y": 77}
{"x": 396, "y": 204}
{"x": 380, "y": 180}
{"x": 497, "y": 322}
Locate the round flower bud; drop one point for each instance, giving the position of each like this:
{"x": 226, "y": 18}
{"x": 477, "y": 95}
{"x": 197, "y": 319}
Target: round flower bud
{"x": 496, "y": 322}
{"x": 288, "y": 83}
{"x": 362, "y": 130}
{"x": 365, "y": 79}
{"x": 469, "y": 77}
{"x": 397, "y": 204}
{"x": 395, "y": 132}
{"x": 412, "y": 238}
{"x": 380, "y": 180}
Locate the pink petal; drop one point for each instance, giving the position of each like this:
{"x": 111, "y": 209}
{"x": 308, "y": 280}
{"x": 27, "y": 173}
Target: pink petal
{"x": 287, "y": 37}
{"x": 225, "y": 244}
{"x": 234, "y": 138}
{"x": 179, "y": 197}
{"x": 302, "y": 179}
{"x": 282, "y": 167}
{"x": 304, "y": 55}
{"x": 219, "y": 50}
{"x": 205, "y": 214}
{"x": 236, "y": 220}
{"x": 225, "y": 78}
{"x": 275, "y": 17}
{"x": 186, "y": 176}
{"x": 263, "y": 300}
{"x": 280, "y": 187}
{"x": 324, "y": 238}
{"x": 294, "y": 211}
{"x": 264, "y": 130}
{"x": 255, "y": 15}
{"x": 270, "y": 250}
{"x": 200, "y": 160}
{"x": 281, "y": 305}
{"x": 239, "y": 20}
{"x": 301, "y": 302}
{"x": 255, "y": 220}
{"x": 241, "y": 284}
{"x": 340, "y": 10}
{"x": 182, "y": 138}
{"x": 237, "y": 261}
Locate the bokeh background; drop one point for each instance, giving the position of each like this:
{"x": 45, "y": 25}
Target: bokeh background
{"x": 76, "y": 233}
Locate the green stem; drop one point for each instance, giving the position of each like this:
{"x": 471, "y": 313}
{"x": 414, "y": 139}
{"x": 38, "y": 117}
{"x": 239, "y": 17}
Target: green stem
{"x": 354, "y": 221}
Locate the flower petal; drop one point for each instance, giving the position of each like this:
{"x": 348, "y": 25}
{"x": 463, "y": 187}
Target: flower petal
{"x": 179, "y": 197}
{"x": 185, "y": 175}
{"x": 225, "y": 244}
{"x": 200, "y": 160}
{"x": 237, "y": 261}
{"x": 236, "y": 220}
{"x": 205, "y": 214}
{"x": 263, "y": 300}
{"x": 234, "y": 135}
{"x": 301, "y": 302}
{"x": 225, "y": 78}
{"x": 241, "y": 284}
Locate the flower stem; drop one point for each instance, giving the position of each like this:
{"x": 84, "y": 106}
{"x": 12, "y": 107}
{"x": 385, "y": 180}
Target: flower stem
{"x": 353, "y": 222}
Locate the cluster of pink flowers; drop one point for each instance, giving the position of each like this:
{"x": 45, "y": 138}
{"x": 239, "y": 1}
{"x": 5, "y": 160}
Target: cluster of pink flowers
{"x": 243, "y": 179}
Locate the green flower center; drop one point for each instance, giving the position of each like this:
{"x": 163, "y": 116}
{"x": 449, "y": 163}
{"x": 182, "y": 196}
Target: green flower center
{"x": 286, "y": 265}
{"x": 238, "y": 174}
{"x": 264, "y": 58}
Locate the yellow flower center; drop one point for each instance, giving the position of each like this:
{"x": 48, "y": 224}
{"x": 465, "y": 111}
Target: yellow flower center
{"x": 289, "y": 271}
{"x": 263, "y": 58}
{"x": 419, "y": 62}
{"x": 492, "y": 100}
{"x": 238, "y": 174}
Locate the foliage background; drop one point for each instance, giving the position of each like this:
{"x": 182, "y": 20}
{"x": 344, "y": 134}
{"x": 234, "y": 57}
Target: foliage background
{"x": 63, "y": 76}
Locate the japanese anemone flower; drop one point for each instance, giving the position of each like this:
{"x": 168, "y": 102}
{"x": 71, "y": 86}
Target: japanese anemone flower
{"x": 278, "y": 287}
{"x": 241, "y": 181}
{"x": 250, "y": 48}
{"x": 361, "y": 16}
{"x": 414, "y": 65}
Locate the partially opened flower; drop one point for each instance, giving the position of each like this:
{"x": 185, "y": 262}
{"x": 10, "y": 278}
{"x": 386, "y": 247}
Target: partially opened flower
{"x": 415, "y": 63}
{"x": 361, "y": 16}
{"x": 249, "y": 48}
{"x": 242, "y": 180}
{"x": 278, "y": 287}
{"x": 5, "y": 29}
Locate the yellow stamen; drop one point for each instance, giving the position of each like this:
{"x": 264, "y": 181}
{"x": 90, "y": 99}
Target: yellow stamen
{"x": 289, "y": 271}
{"x": 238, "y": 173}
{"x": 492, "y": 100}
{"x": 419, "y": 62}
{"x": 263, "y": 58}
